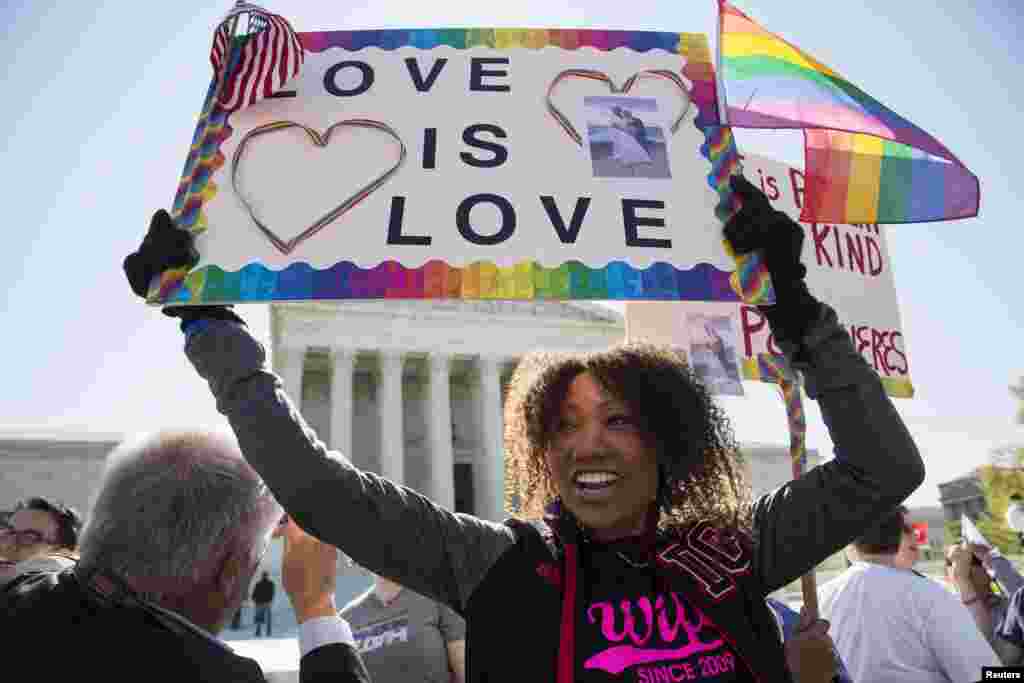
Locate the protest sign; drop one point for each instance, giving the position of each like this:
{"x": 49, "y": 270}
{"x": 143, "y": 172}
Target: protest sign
{"x": 848, "y": 267}
{"x": 710, "y": 341}
{"x": 463, "y": 163}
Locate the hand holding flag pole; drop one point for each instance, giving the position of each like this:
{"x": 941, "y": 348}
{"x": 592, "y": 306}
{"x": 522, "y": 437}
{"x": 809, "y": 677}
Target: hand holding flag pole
{"x": 864, "y": 163}
{"x": 779, "y": 239}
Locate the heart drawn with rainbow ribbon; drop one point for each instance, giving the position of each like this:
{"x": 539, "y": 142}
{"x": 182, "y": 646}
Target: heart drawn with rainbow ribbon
{"x": 670, "y": 76}
{"x": 320, "y": 140}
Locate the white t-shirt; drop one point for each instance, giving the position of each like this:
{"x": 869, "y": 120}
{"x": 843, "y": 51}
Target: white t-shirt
{"x": 893, "y": 626}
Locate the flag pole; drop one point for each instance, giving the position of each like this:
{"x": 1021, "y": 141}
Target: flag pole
{"x": 723, "y": 116}
{"x": 788, "y": 384}
{"x": 225, "y": 66}
{"x": 750, "y": 280}
{"x": 777, "y": 367}
{"x": 793, "y": 398}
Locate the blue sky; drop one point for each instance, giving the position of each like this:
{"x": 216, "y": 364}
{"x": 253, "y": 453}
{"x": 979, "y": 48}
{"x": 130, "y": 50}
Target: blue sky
{"x": 100, "y": 103}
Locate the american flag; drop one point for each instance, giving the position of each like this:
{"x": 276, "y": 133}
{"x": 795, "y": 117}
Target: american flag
{"x": 255, "y": 64}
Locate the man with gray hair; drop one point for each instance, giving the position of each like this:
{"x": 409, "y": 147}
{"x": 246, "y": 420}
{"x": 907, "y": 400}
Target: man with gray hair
{"x": 179, "y": 526}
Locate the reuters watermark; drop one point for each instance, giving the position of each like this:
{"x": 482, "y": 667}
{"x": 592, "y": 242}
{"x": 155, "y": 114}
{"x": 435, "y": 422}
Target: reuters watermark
{"x": 1002, "y": 673}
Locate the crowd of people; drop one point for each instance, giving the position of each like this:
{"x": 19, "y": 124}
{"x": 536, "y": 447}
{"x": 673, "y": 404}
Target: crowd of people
{"x": 638, "y": 553}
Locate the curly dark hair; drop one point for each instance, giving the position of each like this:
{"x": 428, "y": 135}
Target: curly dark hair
{"x": 701, "y": 470}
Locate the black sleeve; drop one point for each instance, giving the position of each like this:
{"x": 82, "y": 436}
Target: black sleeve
{"x": 877, "y": 465}
{"x": 1011, "y": 626}
{"x": 337, "y": 663}
{"x": 433, "y": 551}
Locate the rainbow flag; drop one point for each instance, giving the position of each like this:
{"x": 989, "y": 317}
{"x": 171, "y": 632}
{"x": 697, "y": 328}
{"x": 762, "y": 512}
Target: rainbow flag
{"x": 864, "y": 163}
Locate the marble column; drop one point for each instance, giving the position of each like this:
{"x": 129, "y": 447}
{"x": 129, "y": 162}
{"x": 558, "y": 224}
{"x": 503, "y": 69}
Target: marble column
{"x": 489, "y": 468}
{"x": 290, "y": 363}
{"x": 439, "y": 427}
{"x": 390, "y": 410}
{"x": 342, "y": 364}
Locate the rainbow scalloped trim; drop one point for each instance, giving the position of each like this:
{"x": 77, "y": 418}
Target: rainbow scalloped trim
{"x": 196, "y": 186}
{"x": 438, "y": 280}
{"x": 496, "y": 38}
{"x": 482, "y": 280}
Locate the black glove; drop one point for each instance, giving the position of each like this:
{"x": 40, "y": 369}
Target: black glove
{"x": 759, "y": 227}
{"x": 167, "y": 246}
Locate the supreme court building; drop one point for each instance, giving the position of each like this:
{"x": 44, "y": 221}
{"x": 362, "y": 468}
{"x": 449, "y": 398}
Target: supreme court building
{"x": 414, "y": 390}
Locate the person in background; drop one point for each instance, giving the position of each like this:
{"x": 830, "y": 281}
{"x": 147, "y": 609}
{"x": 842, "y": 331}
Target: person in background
{"x": 403, "y": 636}
{"x": 39, "y": 534}
{"x": 971, "y": 568}
{"x": 179, "y": 525}
{"x": 263, "y": 599}
{"x": 966, "y": 573}
{"x": 909, "y": 552}
{"x": 6, "y": 565}
{"x": 890, "y": 625}
{"x": 1001, "y": 569}
{"x": 1008, "y": 632}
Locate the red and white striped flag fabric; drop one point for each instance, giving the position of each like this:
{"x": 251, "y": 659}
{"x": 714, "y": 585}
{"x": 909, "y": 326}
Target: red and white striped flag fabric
{"x": 257, "y": 64}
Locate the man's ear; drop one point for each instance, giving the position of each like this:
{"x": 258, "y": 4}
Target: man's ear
{"x": 851, "y": 553}
{"x": 232, "y": 571}
{"x": 282, "y": 525}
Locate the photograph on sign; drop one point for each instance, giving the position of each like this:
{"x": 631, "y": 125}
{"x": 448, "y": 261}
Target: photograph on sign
{"x": 468, "y": 164}
{"x": 621, "y": 142}
{"x": 713, "y": 352}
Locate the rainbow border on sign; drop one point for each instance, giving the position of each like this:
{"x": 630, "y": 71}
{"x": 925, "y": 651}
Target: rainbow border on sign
{"x": 435, "y": 279}
{"x": 438, "y": 280}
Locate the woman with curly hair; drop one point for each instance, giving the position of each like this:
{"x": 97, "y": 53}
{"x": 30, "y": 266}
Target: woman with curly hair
{"x": 697, "y": 466}
{"x": 637, "y": 555}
